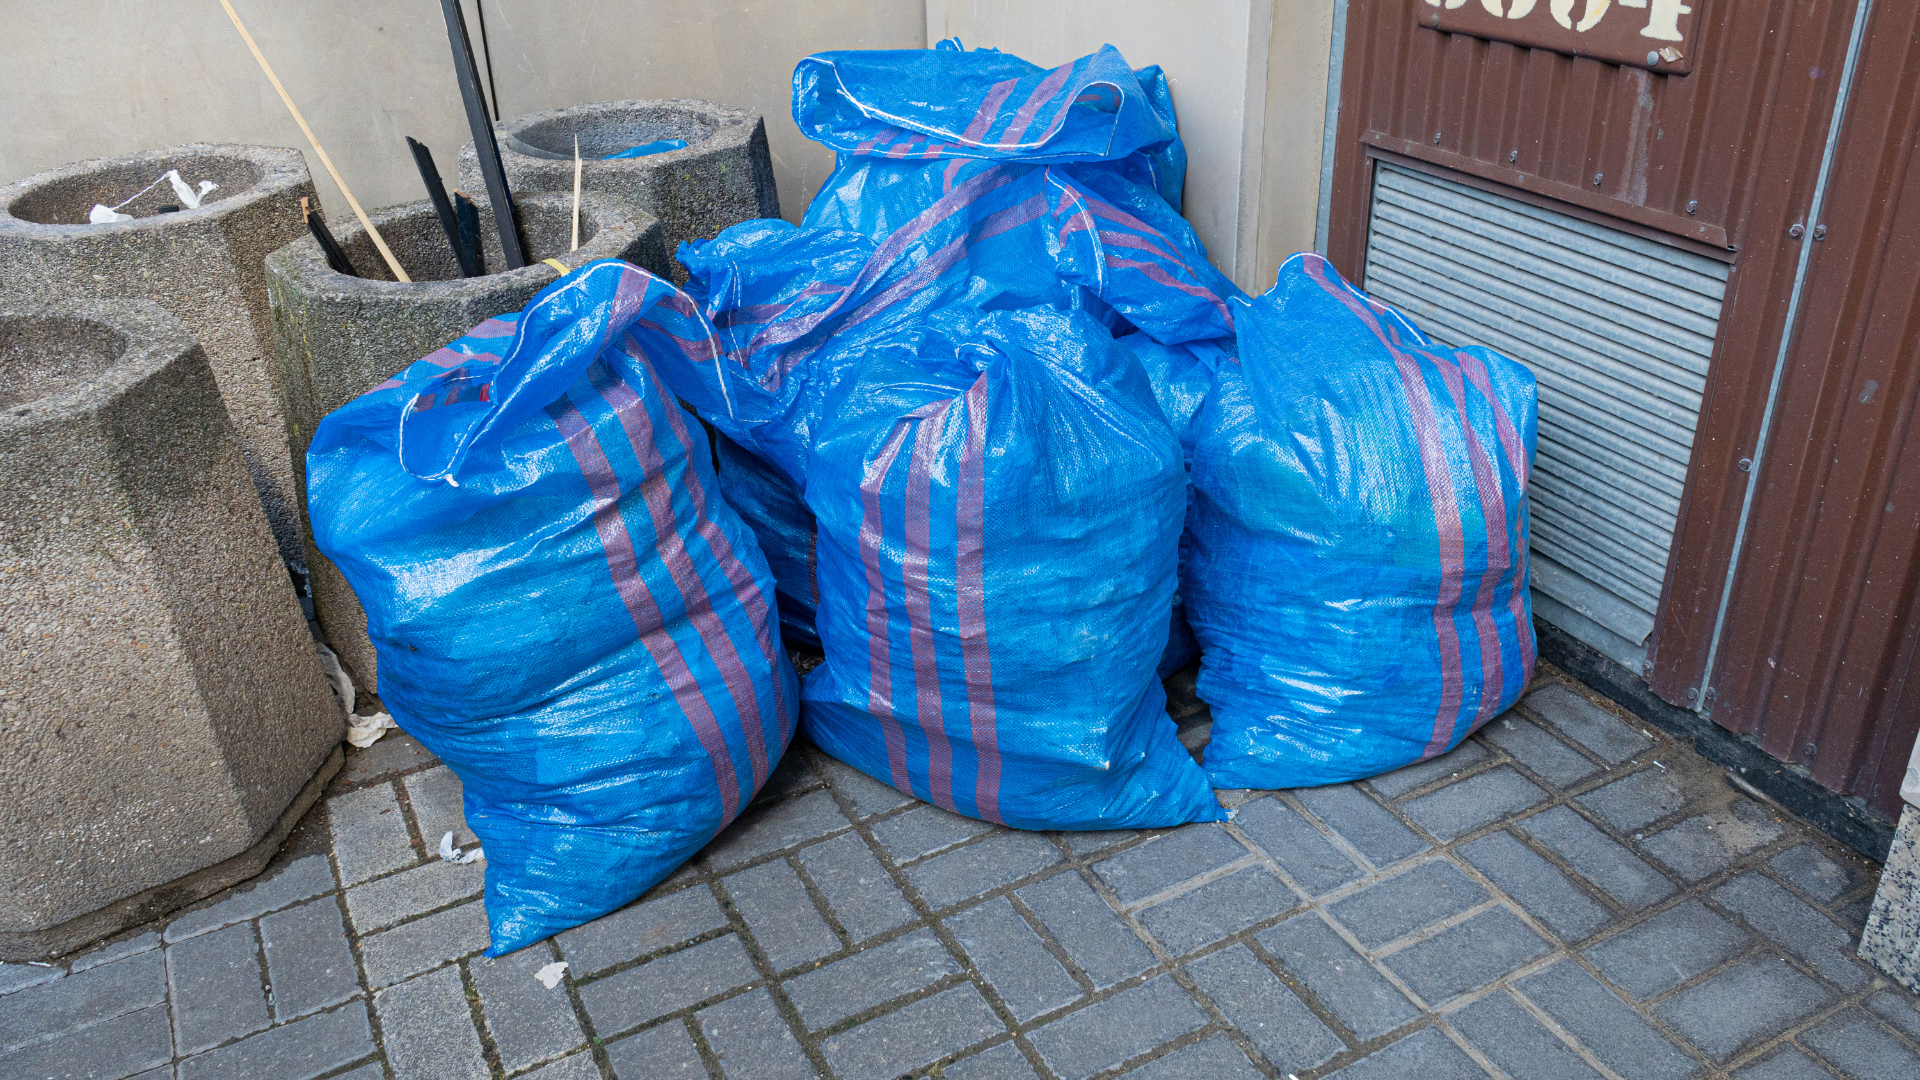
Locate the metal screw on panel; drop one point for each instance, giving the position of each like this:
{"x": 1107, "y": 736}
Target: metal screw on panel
{"x": 1693, "y": 693}
{"x": 1513, "y": 155}
{"x": 1797, "y": 231}
{"x": 1812, "y": 749}
{"x": 1653, "y": 59}
{"x": 1746, "y": 464}
{"x": 1819, "y": 232}
{"x": 1436, "y": 138}
{"x": 1692, "y": 205}
{"x": 1596, "y": 179}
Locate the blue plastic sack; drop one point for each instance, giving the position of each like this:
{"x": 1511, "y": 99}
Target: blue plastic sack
{"x": 1356, "y": 569}
{"x": 564, "y": 611}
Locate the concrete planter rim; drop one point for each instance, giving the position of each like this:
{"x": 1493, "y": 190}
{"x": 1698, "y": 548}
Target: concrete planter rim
{"x": 303, "y": 261}
{"x": 731, "y": 123}
{"x": 280, "y": 167}
{"x": 149, "y": 336}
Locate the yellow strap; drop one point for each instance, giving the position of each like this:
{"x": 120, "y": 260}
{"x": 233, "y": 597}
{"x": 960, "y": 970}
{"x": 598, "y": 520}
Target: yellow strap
{"x": 557, "y": 265}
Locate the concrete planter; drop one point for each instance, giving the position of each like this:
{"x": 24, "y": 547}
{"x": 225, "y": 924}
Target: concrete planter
{"x": 164, "y": 720}
{"x": 336, "y": 337}
{"x": 202, "y": 265}
{"x": 1891, "y": 941}
{"x": 724, "y": 175}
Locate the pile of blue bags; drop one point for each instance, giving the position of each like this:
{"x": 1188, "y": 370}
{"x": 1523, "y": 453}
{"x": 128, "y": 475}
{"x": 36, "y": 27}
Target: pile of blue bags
{"x": 993, "y": 436}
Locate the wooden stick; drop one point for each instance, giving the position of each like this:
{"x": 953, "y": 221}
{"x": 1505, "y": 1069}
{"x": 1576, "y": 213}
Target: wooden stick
{"x": 393, "y": 264}
{"x": 576, "y": 194}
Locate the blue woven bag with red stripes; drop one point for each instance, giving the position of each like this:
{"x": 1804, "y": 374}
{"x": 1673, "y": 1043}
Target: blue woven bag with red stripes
{"x": 565, "y": 611}
{"x": 1357, "y": 560}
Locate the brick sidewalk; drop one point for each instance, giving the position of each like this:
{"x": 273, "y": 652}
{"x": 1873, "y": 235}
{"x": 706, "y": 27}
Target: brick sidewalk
{"x": 1565, "y": 896}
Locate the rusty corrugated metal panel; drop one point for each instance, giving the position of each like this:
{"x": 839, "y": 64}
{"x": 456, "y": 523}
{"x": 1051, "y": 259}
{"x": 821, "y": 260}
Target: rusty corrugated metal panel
{"x": 1820, "y": 636}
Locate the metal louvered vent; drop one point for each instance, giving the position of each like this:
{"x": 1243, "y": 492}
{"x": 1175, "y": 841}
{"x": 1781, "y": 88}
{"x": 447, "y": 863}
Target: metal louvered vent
{"x": 1618, "y": 331}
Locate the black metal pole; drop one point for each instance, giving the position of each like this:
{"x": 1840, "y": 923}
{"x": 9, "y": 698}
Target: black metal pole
{"x": 437, "y": 191}
{"x": 484, "y": 147}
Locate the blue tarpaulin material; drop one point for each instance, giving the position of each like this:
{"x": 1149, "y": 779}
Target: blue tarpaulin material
{"x": 1356, "y": 565}
{"x": 994, "y": 496}
{"x": 564, "y": 610}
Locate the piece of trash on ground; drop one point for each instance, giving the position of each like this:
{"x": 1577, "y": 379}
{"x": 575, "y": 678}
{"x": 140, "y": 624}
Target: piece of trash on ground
{"x": 551, "y": 975}
{"x": 452, "y": 854}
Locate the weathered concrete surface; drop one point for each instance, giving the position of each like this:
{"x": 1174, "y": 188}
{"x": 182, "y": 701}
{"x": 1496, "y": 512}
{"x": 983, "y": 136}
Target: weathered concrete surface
{"x": 161, "y": 704}
{"x": 722, "y": 177}
{"x": 202, "y": 265}
{"x": 1891, "y": 941}
{"x": 336, "y": 337}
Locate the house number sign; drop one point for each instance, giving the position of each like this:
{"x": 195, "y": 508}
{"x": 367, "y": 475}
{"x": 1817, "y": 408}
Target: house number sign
{"x": 1654, "y": 34}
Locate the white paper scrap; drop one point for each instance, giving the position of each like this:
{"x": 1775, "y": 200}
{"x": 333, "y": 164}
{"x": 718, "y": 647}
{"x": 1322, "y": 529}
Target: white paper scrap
{"x": 101, "y": 214}
{"x": 550, "y": 975}
{"x": 452, "y": 854}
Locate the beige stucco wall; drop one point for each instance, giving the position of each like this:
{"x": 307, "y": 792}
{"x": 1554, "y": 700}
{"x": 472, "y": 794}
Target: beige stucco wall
{"x": 89, "y": 79}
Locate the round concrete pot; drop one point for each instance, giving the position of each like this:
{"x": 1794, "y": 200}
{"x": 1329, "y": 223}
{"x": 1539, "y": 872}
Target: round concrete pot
{"x": 164, "y": 719}
{"x": 337, "y": 336}
{"x": 722, "y": 177}
{"x": 202, "y": 265}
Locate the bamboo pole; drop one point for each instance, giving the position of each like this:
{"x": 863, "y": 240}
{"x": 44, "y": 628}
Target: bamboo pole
{"x": 576, "y": 194}
{"x": 380, "y": 242}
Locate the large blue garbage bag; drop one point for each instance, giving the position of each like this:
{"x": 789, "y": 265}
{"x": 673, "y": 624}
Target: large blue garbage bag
{"x": 1356, "y": 570}
{"x": 565, "y": 612}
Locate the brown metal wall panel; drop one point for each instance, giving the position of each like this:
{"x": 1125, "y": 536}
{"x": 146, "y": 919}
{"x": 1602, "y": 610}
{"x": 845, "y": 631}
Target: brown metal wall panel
{"x": 1818, "y": 644}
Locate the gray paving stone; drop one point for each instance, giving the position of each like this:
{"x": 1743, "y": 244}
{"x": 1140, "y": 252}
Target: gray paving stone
{"x": 1368, "y": 826}
{"x": 1457, "y": 760}
{"x": 1632, "y": 803}
{"x": 1788, "y": 1064}
{"x": 1118, "y": 1029}
{"x": 1087, "y": 843}
{"x": 1308, "y": 857}
{"x": 1390, "y": 909}
{"x": 309, "y": 964}
{"x": 1547, "y": 757}
{"x": 923, "y": 831}
{"x": 785, "y": 924}
{"x": 119, "y": 950}
{"x": 1604, "y": 1024}
{"x": 1806, "y": 869}
{"x": 529, "y": 1023}
{"x": 1003, "y": 1062}
{"x": 380, "y": 904}
{"x": 1606, "y": 735}
{"x": 666, "y": 984}
{"x": 1749, "y": 1001}
{"x": 1219, "y": 908}
{"x": 752, "y": 1042}
{"x": 1466, "y": 805}
{"x": 1899, "y": 1009}
{"x": 1259, "y": 1005}
{"x": 868, "y": 796}
{"x": 369, "y": 833}
{"x": 1165, "y": 861}
{"x": 1537, "y": 886}
{"x": 395, "y": 753}
{"x": 299, "y": 880}
{"x": 21, "y": 976}
{"x": 792, "y": 776}
{"x": 1612, "y": 868}
{"x": 1654, "y": 957}
{"x": 301, "y": 1050}
{"x": 427, "y": 1030}
{"x": 213, "y": 983}
{"x": 578, "y": 1067}
{"x": 666, "y": 1052}
{"x": 1513, "y": 1040}
{"x": 121, "y": 1046}
{"x": 913, "y": 1036}
{"x": 437, "y": 806}
{"x": 858, "y": 889}
{"x": 638, "y": 929}
{"x": 1095, "y": 938}
{"x": 1343, "y": 981}
{"x": 1427, "y": 1054}
{"x": 1013, "y": 959}
{"x": 1467, "y": 956}
{"x": 1791, "y": 924}
{"x": 1861, "y": 1049}
{"x": 87, "y": 998}
{"x": 776, "y": 828}
{"x": 1216, "y": 1059}
{"x": 1709, "y": 843}
{"x": 977, "y": 868}
{"x": 871, "y": 978}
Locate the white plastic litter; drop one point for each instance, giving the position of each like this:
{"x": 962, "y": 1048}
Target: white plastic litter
{"x": 102, "y": 213}
{"x": 550, "y": 975}
{"x": 362, "y": 731}
{"x": 452, "y": 854}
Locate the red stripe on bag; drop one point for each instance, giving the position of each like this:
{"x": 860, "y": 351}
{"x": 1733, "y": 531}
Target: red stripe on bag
{"x": 879, "y": 660}
{"x": 969, "y": 563}
{"x": 624, "y": 567}
{"x": 989, "y": 111}
{"x": 1024, "y": 118}
{"x": 913, "y": 575}
{"x": 1522, "y": 465}
{"x": 1493, "y": 512}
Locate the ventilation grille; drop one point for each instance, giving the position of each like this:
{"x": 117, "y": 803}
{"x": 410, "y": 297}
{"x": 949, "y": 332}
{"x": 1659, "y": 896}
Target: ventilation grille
{"x": 1618, "y": 331}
